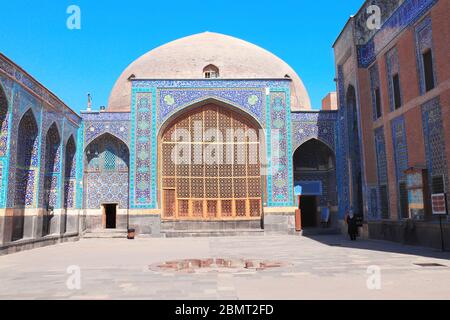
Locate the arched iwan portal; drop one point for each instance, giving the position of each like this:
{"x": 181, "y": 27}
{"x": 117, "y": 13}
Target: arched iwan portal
{"x": 106, "y": 180}
{"x": 210, "y": 166}
{"x": 314, "y": 170}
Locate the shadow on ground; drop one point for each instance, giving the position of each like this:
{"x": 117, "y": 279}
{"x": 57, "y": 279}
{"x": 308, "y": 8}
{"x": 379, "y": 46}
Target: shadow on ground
{"x": 379, "y": 245}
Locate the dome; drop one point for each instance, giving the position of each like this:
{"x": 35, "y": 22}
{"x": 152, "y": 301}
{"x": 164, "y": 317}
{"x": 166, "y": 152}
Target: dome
{"x": 187, "y": 58}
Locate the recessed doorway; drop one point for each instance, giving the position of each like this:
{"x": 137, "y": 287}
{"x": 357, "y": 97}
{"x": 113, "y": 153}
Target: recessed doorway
{"x": 309, "y": 211}
{"x": 110, "y": 216}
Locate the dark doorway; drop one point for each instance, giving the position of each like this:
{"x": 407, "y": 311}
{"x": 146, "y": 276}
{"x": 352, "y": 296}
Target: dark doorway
{"x": 309, "y": 211}
{"x": 110, "y": 216}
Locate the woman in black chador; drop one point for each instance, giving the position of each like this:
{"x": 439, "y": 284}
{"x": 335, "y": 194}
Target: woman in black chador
{"x": 352, "y": 227}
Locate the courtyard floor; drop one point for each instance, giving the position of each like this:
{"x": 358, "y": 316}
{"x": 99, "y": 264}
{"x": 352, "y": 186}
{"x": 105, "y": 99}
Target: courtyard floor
{"x": 322, "y": 267}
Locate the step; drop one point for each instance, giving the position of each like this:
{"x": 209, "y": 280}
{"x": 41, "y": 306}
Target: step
{"x": 212, "y": 233}
{"x": 321, "y": 231}
{"x": 242, "y": 225}
{"x": 106, "y": 234}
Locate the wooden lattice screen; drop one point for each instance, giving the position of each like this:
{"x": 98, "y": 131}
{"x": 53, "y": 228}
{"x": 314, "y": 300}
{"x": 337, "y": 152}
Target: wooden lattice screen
{"x": 227, "y": 188}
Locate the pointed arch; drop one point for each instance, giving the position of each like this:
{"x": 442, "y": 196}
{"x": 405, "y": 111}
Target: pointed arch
{"x": 315, "y": 170}
{"x": 205, "y": 101}
{"x": 26, "y": 171}
{"x": 69, "y": 185}
{"x": 209, "y": 164}
{"x": 52, "y": 170}
{"x": 4, "y": 108}
{"x": 211, "y": 72}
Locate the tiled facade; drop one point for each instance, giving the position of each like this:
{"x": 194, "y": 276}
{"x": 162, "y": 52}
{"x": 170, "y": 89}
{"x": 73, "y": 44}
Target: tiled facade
{"x": 413, "y": 134}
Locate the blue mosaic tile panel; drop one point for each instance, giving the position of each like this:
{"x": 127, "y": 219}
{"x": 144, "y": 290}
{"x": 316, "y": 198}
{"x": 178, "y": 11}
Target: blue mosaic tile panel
{"x": 380, "y": 145}
{"x": 189, "y": 84}
{"x": 318, "y": 125}
{"x": 25, "y": 188}
{"x": 373, "y": 204}
{"x": 143, "y": 176}
{"x": 435, "y": 140}
{"x": 280, "y": 177}
{"x": 171, "y": 101}
{"x": 342, "y": 149}
{"x": 96, "y": 124}
{"x": 400, "y": 147}
{"x": 106, "y": 187}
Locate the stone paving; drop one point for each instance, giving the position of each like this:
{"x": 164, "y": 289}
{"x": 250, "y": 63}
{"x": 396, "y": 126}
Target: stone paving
{"x": 322, "y": 267}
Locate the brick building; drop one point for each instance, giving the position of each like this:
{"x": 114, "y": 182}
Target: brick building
{"x": 396, "y": 81}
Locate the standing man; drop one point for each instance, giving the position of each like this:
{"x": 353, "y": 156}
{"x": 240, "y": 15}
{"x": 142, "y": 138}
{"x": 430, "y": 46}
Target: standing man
{"x": 352, "y": 227}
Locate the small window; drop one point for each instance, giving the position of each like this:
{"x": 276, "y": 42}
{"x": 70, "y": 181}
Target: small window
{"x": 211, "y": 72}
{"x": 396, "y": 87}
{"x": 428, "y": 70}
{"x": 377, "y": 96}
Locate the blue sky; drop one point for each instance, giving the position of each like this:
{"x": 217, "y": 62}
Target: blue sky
{"x": 72, "y": 63}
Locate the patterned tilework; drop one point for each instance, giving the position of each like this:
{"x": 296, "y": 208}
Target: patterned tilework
{"x": 392, "y": 67}
{"x": 342, "y": 147}
{"x": 4, "y": 114}
{"x": 155, "y": 102}
{"x": 314, "y": 125}
{"x": 145, "y": 84}
{"x": 382, "y": 168}
{"x": 373, "y": 203}
{"x": 107, "y": 163}
{"x": 80, "y": 168}
{"x": 70, "y": 174}
{"x": 52, "y": 168}
{"x": 405, "y": 15}
{"x": 143, "y": 176}
{"x": 424, "y": 41}
{"x": 374, "y": 84}
{"x": 399, "y": 143}
{"x": 381, "y": 156}
{"x": 25, "y": 187}
{"x": 400, "y": 147}
{"x": 280, "y": 151}
{"x": 173, "y": 100}
{"x": 435, "y": 141}
{"x": 103, "y": 187}
{"x": 96, "y": 124}
{"x": 28, "y": 168}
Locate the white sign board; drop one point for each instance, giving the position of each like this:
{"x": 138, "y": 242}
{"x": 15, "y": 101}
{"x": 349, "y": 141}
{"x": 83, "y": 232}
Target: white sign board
{"x": 439, "y": 204}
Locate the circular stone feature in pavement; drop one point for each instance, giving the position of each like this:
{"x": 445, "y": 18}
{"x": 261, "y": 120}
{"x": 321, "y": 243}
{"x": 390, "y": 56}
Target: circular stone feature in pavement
{"x": 215, "y": 265}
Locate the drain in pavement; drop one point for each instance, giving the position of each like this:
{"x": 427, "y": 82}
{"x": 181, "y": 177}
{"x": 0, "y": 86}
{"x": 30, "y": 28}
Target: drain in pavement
{"x": 216, "y": 265}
